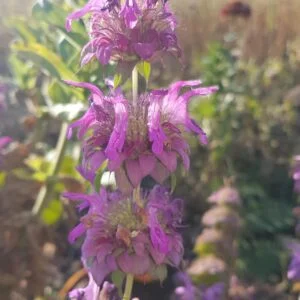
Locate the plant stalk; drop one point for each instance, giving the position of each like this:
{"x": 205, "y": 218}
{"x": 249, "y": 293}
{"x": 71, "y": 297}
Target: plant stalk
{"x": 135, "y": 85}
{"x": 128, "y": 287}
{"x": 46, "y": 192}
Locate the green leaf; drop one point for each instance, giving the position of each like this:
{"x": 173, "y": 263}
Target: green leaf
{"x": 97, "y": 181}
{"x": 22, "y": 28}
{"x": 144, "y": 69}
{"x": 58, "y": 92}
{"x": 160, "y": 272}
{"x": 47, "y": 60}
{"x": 23, "y": 73}
{"x": 117, "y": 278}
{"x": 51, "y": 214}
{"x": 173, "y": 182}
{"x": 53, "y": 14}
{"x": 2, "y": 179}
{"x": 117, "y": 80}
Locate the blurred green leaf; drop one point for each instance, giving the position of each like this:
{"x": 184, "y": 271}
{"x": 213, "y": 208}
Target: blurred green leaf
{"x": 144, "y": 69}
{"x": 2, "y": 178}
{"x": 117, "y": 80}
{"x": 20, "y": 24}
{"x": 51, "y": 214}
{"x": 49, "y": 61}
{"x": 118, "y": 278}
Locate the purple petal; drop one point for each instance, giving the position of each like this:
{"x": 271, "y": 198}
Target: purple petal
{"x": 158, "y": 257}
{"x": 101, "y": 270}
{"x": 192, "y": 125}
{"x": 169, "y": 159}
{"x": 160, "y": 173}
{"x": 133, "y": 263}
{"x": 147, "y": 164}
{"x": 156, "y": 133}
{"x": 134, "y": 172}
{"x": 117, "y": 138}
{"x": 130, "y": 13}
{"x": 123, "y": 182}
{"x": 76, "y": 232}
{"x": 91, "y": 87}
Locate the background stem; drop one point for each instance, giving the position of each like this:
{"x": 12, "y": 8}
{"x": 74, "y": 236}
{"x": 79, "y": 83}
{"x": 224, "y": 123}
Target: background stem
{"x": 128, "y": 287}
{"x": 46, "y": 192}
{"x": 135, "y": 85}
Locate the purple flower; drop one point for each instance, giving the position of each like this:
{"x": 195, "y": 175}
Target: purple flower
{"x": 92, "y": 291}
{"x": 4, "y": 141}
{"x": 214, "y": 292}
{"x": 296, "y": 173}
{"x": 294, "y": 266}
{"x": 226, "y": 196}
{"x": 185, "y": 288}
{"x": 145, "y": 139}
{"x": 129, "y": 32}
{"x": 121, "y": 235}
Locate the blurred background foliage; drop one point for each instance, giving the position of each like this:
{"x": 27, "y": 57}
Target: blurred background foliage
{"x": 252, "y": 124}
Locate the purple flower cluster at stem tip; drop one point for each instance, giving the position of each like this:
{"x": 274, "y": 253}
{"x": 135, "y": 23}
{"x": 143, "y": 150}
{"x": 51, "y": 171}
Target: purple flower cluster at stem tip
{"x": 138, "y": 140}
{"x": 129, "y": 230}
{"x": 134, "y": 30}
{"x": 122, "y": 235}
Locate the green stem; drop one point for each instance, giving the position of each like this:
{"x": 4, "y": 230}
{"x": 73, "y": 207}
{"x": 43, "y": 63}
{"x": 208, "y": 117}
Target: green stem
{"x": 46, "y": 192}
{"x": 135, "y": 85}
{"x": 128, "y": 287}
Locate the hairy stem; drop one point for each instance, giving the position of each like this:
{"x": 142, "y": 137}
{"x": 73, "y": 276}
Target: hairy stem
{"x": 128, "y": 287}
{"x": 135, "y": 85}
{"x": 46, "y": 192}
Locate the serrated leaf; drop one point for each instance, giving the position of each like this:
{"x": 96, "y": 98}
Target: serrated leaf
{"x": 144, "y": 69}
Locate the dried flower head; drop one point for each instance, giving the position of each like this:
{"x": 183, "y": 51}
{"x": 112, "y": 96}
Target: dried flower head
{"x": 222, "y": 217}
{"x": 121, "y": 235}
{"x": 226, "y": 196}
{"x": 207, "y": 270}
{"x": 294, "y": 266}
{"x": 237, "y": 9}
{"x": 130, "y": 31}
{"x": 141, "y": 139}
